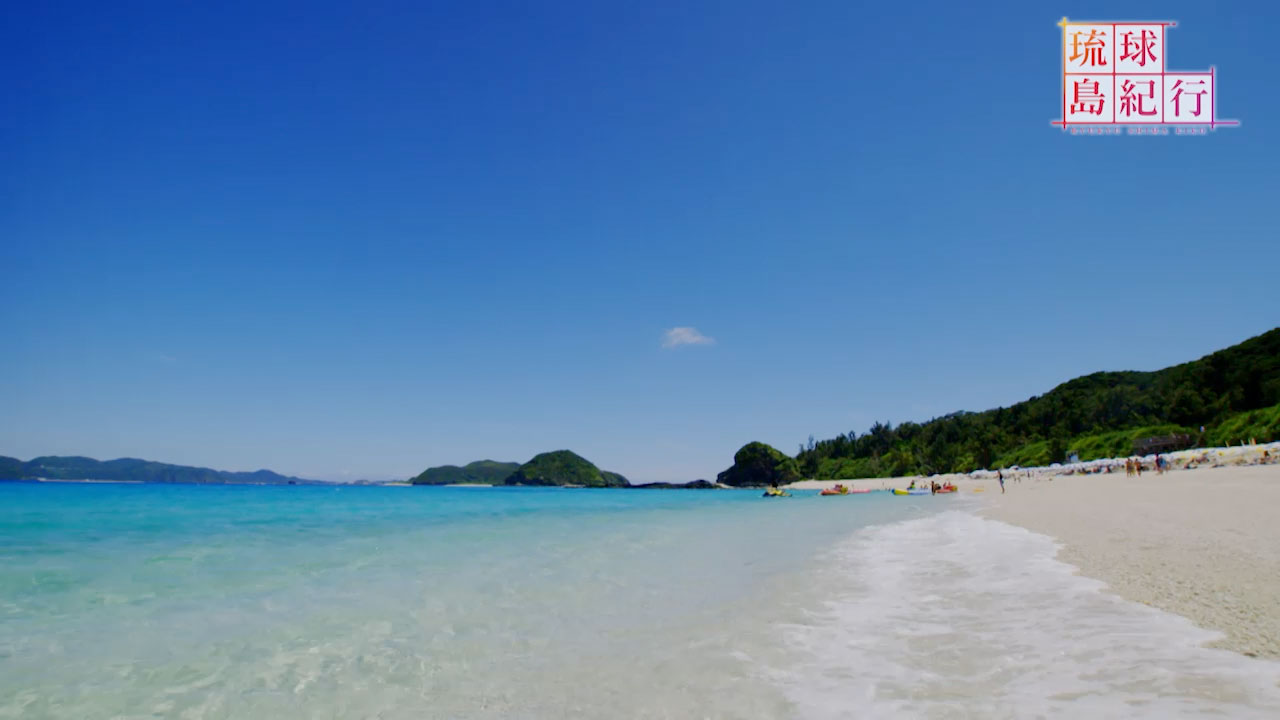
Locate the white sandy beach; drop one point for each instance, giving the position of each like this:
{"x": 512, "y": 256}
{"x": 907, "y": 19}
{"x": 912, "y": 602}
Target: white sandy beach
{"x": 1200, "y": 543}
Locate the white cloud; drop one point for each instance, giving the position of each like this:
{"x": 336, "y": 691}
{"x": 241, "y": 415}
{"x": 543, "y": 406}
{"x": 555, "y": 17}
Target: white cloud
{"x": 677, "y": 336}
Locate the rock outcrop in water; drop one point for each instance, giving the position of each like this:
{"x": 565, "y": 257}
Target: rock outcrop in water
{"x": 480, "y": 472}
{"x": 564, "y": 467}
{"x": 758, "y": 465}
{"x": 695, "y": 485}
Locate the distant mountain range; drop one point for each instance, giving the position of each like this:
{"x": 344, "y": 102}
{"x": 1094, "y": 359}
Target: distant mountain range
{"x": 560, "y": 467}
{"x": 131, "y": 469}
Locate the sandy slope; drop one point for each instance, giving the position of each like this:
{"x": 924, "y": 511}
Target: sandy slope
{"x": 1201, "y": 543}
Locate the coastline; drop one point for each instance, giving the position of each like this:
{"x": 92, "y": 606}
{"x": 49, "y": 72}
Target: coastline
{"x": 1198, "y": 543}
{"x": 965, "y": 483}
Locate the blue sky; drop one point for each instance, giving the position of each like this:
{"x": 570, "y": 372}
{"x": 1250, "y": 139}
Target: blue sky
{"x": 347, "y": 242}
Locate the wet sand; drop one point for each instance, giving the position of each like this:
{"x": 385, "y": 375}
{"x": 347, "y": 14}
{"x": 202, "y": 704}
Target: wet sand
{"x": 1201, "y": 543}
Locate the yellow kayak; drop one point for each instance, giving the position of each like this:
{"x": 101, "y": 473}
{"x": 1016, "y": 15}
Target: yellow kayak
{"x": 897, "y": 491}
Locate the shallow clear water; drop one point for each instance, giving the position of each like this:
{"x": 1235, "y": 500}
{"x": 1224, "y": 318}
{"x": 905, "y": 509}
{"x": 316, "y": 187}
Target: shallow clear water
{"x": 218, "y": 602}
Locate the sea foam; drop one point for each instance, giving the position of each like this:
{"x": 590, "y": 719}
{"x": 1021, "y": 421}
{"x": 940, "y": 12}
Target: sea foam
{"x": 957, "y": 616}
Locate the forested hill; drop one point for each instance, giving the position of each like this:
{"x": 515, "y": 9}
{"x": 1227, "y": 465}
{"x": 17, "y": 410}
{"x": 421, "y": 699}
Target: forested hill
{"x": 560, "y": 467}
{"x": 484, "y": 472}
{"x": 1096, "y": 415}
{"x": 131, "y": 469}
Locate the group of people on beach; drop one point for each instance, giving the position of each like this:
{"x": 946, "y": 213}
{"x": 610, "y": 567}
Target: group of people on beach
{"x": 1133, "y": 466}
{"x": 934, "y": 486}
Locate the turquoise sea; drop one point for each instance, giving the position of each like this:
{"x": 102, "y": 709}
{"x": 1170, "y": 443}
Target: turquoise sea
{"x": 131, "y": 601}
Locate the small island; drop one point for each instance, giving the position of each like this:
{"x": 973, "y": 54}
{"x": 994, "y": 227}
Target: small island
{"x": 558, "y": 468}
{"x": 759, "y": 465}
{"x": 698, "y": 484}
{"x": 564, "y": 468}
{"x": 754, "y": 465}
{"x": 480, "y": 472}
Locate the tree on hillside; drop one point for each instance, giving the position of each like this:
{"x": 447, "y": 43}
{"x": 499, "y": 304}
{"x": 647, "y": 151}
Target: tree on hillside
{"x": 1087, "y": 412}
{"x": 757, "y": 465}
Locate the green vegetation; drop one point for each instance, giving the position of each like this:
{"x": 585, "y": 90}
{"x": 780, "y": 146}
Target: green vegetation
{"x": 1233, "y": 393}
{"x": 563, "y": 467}
{"x": 482, "y": 472}
{"x": 11, "y": 468}
{"x": 1119, "y": 443}
{"x": 758, "y": 465}
{"x": 130, "y": 469}
{"x": 1259, "y": 425}
{"x": 613, "y": 479}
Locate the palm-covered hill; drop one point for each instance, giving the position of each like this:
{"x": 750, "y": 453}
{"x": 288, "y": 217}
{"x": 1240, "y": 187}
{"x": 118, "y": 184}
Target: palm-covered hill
{"x": 129, "y": 469}
{"x": 1234, "y": 393}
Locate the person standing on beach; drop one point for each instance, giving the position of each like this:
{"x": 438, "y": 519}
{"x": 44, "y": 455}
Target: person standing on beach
{"x": 1000, "y": 477}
